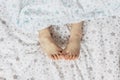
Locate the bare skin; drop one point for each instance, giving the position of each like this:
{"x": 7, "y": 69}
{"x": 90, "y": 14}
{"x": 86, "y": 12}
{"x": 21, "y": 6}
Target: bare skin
{"x": 72, "y": 49}
{"x": 48, "y": 44}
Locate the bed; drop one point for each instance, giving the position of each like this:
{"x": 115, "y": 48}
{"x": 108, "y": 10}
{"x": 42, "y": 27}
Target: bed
{"x": 21, "y": 57}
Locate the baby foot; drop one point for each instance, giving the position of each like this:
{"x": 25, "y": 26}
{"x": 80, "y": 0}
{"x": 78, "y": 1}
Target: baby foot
{"x": 72, "y": 49}
{"x": 53, "y": 51}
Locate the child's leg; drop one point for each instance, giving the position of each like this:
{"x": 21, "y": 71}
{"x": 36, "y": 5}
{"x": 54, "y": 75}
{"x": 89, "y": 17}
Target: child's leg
{"x": 48, "y": 44}
{"x": 72, "y": 49}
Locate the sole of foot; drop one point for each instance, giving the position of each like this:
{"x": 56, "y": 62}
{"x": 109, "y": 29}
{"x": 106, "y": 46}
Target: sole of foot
{"x": 50, "y": 48}
{"x": 72, "y": 50}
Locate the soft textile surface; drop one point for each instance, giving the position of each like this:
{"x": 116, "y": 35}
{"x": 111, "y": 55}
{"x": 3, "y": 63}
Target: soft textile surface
{"x": 32, "y": 15}
{"x": 21, "y": 57}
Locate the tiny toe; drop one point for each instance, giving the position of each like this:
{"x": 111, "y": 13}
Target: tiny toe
{"x": 55, "y": 56}
{"x": 66, "y": 57}
{"x": 74, "y": 57}
{"x": 59, "y": 55}
{"x": 52, "y": 56}
{"x": 63, "y": 53}
{"x": 77, "y": 56}
{"x": 70, "y": 57}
